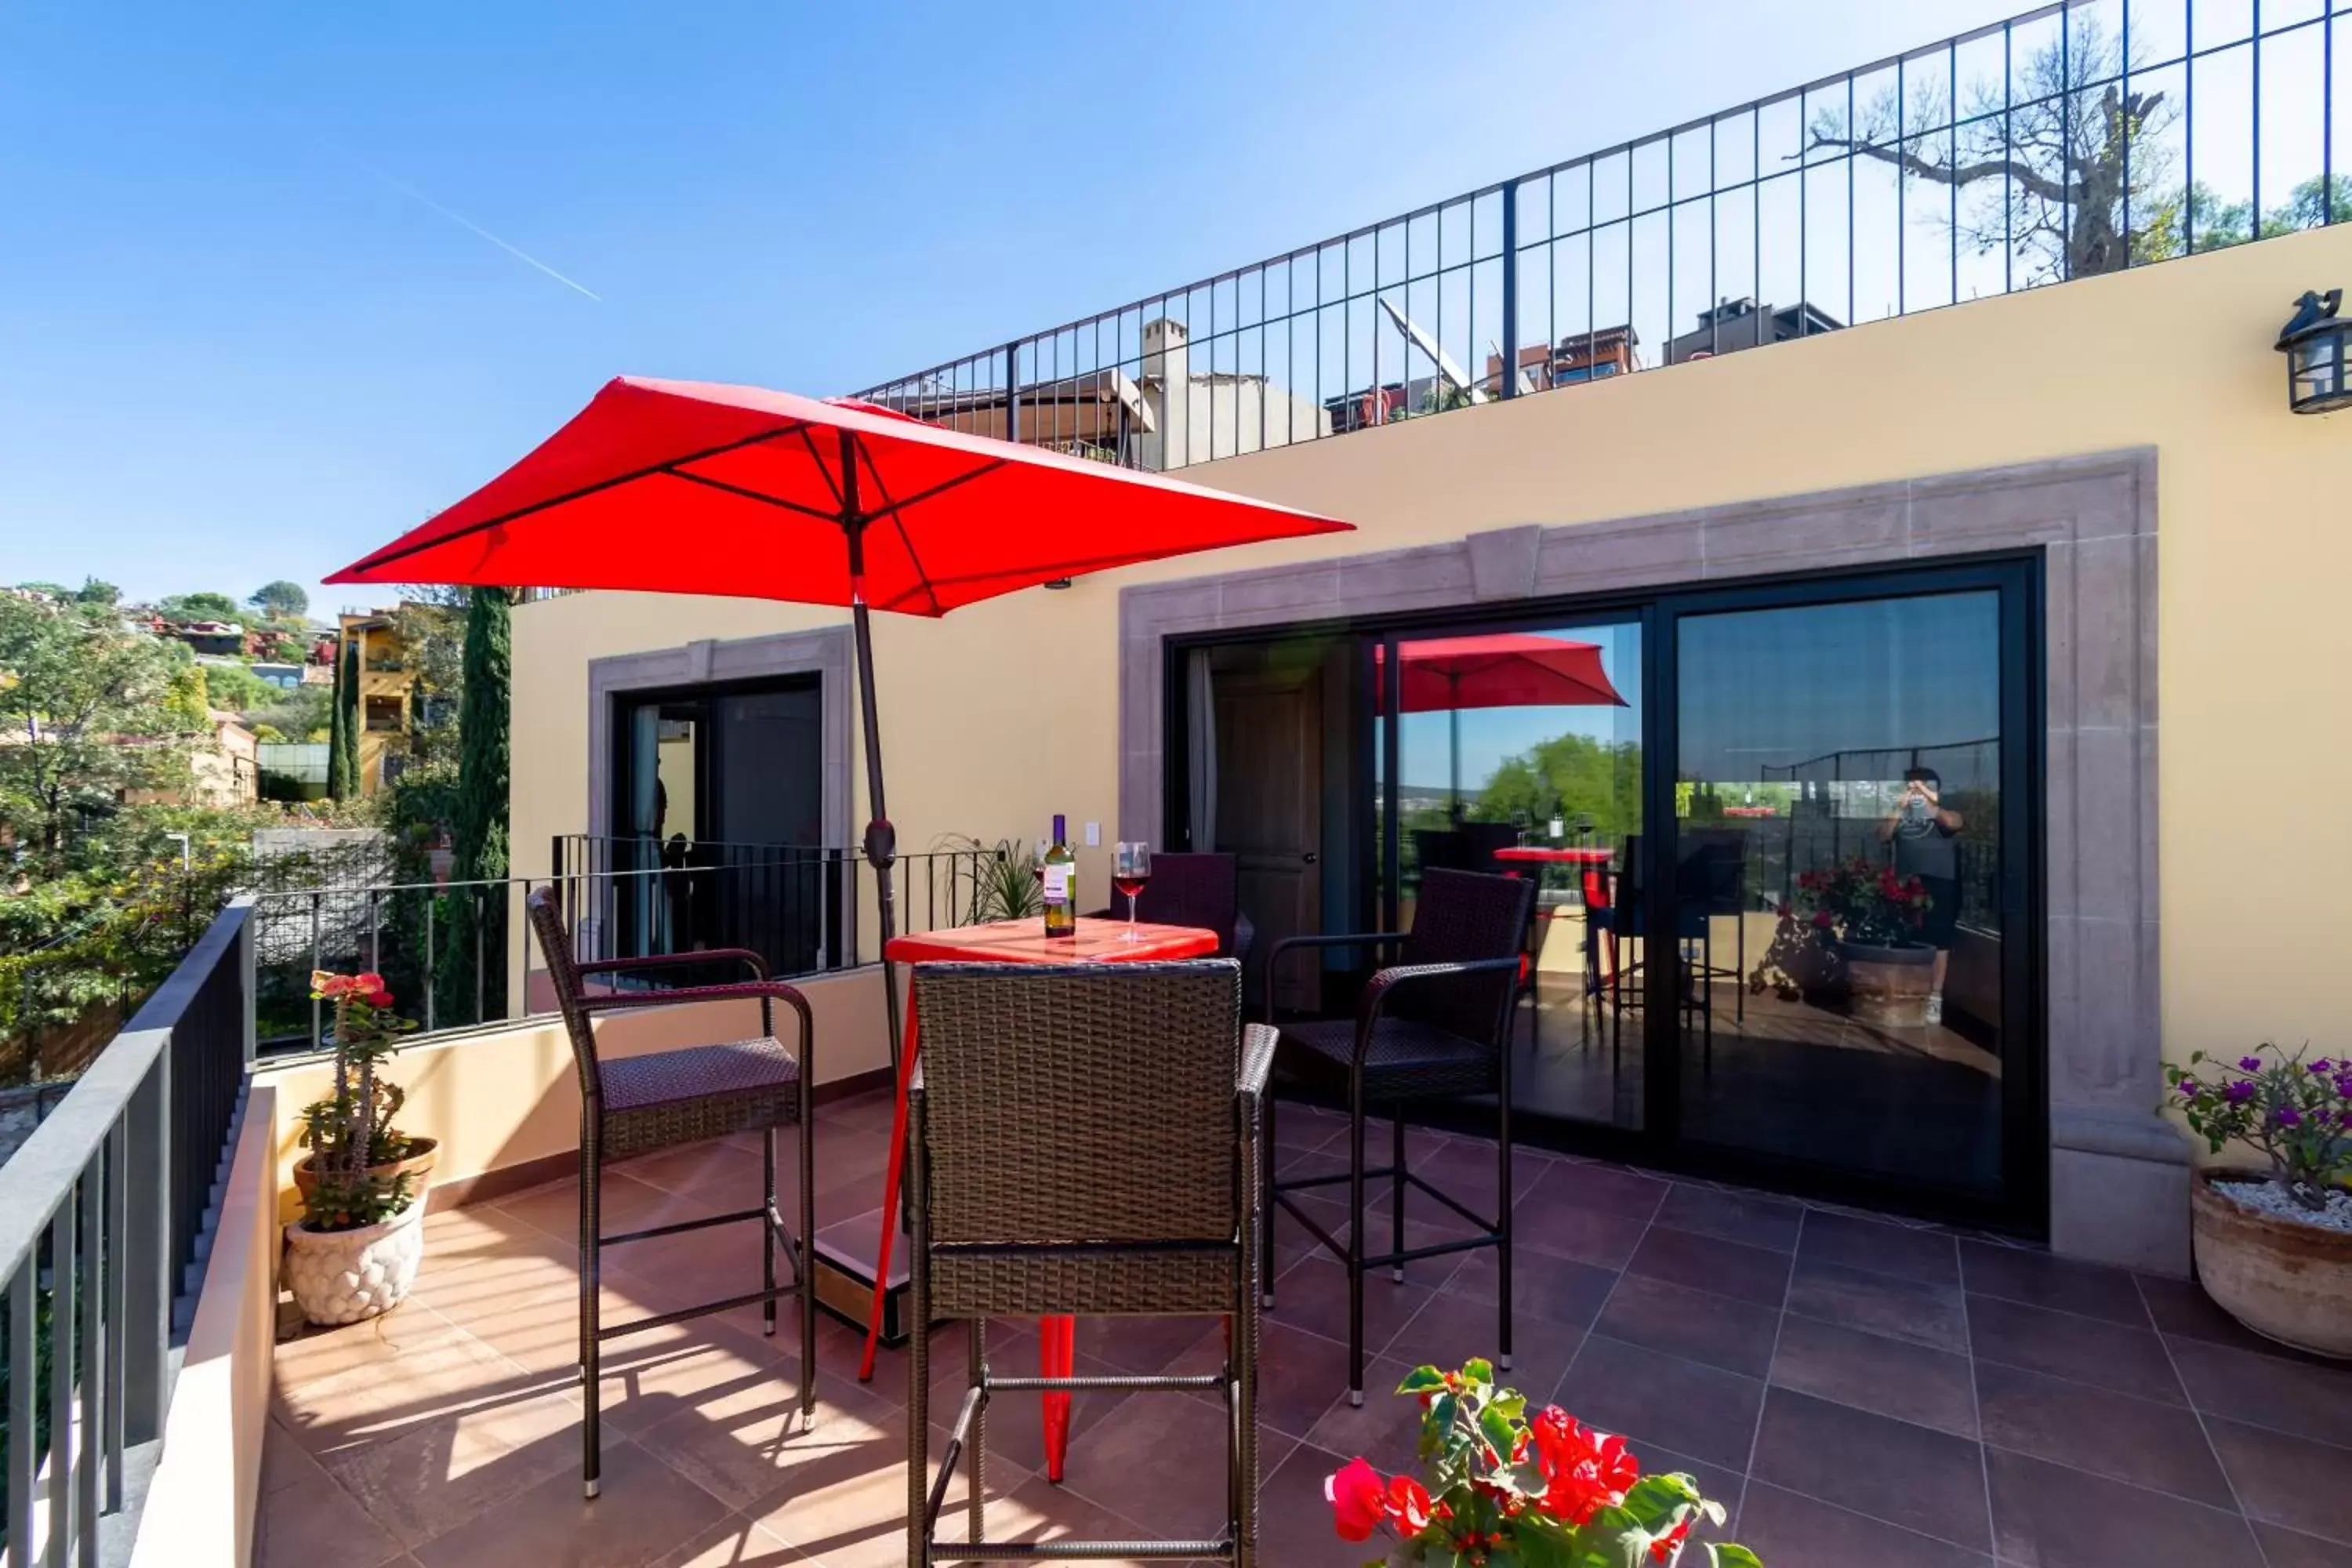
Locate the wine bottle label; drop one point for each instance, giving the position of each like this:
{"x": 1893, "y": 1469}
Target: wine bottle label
{"x": 1058, "y": 884}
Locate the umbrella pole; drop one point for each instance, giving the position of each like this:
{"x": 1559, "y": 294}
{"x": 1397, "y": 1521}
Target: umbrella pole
{"x": 881, "y": 840}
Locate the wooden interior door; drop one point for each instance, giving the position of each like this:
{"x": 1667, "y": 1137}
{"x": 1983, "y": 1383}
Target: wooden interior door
{"x": 1270, "y": 813}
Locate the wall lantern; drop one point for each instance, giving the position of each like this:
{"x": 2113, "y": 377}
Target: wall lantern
{"x": 2318, "y": 348}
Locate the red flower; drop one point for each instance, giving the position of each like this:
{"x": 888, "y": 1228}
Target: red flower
{"x": 1584, "y": 1470}
{"x": 1357, "y": 1501}
{"x": 1664, "y": 1546}
{"x": 1408, "y": 1505}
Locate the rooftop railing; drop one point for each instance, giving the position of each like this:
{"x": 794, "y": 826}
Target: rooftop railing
{"x": 2078, "y": 138}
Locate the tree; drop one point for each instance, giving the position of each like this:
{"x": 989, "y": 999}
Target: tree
{"x": 1573, "y": 775}
{"x": 431, "y": 626}
{"x": 74, "y": 689}
{"x": 2051, "y": 162}
{"x": 478, "y": 813}
{"x": 342, "y": 739}
{"x": 54, "y": 590}
{"x": 98, "y": 591}
{"x": 280, "y": 600}
{"x": 199, "y": 607}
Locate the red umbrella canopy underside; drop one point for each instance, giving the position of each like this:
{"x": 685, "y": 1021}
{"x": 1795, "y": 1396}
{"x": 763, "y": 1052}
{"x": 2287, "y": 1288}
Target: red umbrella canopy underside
{"x": 694, "y": 487}
{"x": 1502, "y": 670}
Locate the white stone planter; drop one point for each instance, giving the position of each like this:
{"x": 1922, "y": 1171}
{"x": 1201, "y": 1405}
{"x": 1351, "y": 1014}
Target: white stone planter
{"x": 344, "y": 1276}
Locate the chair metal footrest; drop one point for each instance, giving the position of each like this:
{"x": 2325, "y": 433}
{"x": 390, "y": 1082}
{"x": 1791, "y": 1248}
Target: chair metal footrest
{"x": 686, "y": 1314}
{"x": 1206, "y": 1380}
{"x": 1079, "y": 1551}
{"x": 738, "y": 1217}
{"x": 1434, "y": 1249}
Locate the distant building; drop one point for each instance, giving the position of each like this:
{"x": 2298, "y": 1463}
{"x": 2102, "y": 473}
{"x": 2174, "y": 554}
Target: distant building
{"x": 286, "y": 676}
{"x": 1735, "y": 324}
{"x": 1170, "y": 413}
{"x": 225, "y": 638}
{"x": 386, "y": 684}
{"x": 1583, "y": 356}
{"x": 224, "y": 770}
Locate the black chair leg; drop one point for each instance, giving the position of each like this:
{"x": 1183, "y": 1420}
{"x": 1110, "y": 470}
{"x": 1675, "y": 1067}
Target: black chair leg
{"x": 976, "y": 1377}
{"x": 808, "y": 1253}
{"x": 1396, "y": 1188}
{"x": 591, "y": 1248}
{"x": 1356, "y": 1238}
{"x": 1504, "y": 1191}
{"x": 768, "y": 1230}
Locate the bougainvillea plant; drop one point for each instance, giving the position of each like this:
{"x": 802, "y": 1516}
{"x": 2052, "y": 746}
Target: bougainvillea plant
{"x": 2297, "y": 1113}
{"x": 1509, "y": 1489}
{"x": 1864, "y": 901}
{"x": 350, "y": 1134}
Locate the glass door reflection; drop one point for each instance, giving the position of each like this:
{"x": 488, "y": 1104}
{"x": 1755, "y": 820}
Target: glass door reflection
{"x": 1520, "y": 752}
{"x": 1836, "y": 854}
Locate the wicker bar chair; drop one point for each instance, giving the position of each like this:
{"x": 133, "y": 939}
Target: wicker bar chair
{"x": 636, "y": 1105}
{"x": 1083, "y": 1142}
{"x": 1436, "y": 1026}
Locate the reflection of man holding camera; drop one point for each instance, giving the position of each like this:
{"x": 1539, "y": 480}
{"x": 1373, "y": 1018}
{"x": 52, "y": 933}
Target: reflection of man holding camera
{"x": 1925, "y": 837}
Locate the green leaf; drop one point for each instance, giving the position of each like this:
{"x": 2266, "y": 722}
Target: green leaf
{"x": 1421, "y": 1380}
{"x": 1478, "y": 1368}
{"x": 1724, "y": 1554}
{"x": 1496, "y": 1428}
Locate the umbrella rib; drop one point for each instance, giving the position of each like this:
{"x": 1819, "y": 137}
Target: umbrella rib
{"x": 890, "y": 511}
{"x": 944, "y": 484}
{"x": 816, "y": 458}
{"x": 749, "y": 494}
{"x": 387, "y": 557}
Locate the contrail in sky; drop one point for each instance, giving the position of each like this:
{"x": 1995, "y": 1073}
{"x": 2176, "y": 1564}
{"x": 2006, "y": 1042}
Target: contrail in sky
{"x": 464, "y": 221}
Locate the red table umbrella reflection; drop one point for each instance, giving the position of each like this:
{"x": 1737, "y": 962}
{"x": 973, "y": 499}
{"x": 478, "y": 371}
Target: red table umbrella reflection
{"x": 1502, "y": 670}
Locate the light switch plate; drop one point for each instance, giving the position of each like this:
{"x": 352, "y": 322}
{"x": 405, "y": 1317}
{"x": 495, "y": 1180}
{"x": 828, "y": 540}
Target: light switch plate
{"x": 1094, "y": 835}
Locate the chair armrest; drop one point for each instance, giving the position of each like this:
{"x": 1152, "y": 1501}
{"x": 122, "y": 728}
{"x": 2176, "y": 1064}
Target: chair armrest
{"x": 1363, "y": 938}
{"x": 743, "y": 955}
{"x": 1257, "y": 1060}
{"x": 1375, "y": 992}
{"x": 763, "y": 991}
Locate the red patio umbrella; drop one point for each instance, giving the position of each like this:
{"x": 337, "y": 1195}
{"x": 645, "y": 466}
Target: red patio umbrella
{"x": 1502, "y": 670}
{"x": 695, "y": 487}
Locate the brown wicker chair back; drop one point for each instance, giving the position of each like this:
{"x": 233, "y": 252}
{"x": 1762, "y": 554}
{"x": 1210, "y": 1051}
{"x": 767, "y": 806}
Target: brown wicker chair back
{"x": 1463, "y": 916}
{"x": 1077, "y": 1133}
{"x": 1199, "y": 891}
{"x": 546, "y": 914}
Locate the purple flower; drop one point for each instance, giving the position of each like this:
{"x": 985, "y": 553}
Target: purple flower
{"x": 2323, "y": 1066}
{"x": 2343, "y": 1086}
{"x": 2191, "y": 1089}
{"x": 2241, "y": 1092}
{"x": 2288, "y": 1116}
{"x": 2250, "y": 1064}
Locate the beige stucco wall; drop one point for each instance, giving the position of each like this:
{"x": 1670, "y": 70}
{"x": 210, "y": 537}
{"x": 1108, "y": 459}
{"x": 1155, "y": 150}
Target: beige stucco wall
{"x": 497, "y": 1098}
{"x": 1006, "y": 711}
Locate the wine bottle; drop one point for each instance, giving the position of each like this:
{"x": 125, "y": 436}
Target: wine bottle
{"x": 1061, "y": 884}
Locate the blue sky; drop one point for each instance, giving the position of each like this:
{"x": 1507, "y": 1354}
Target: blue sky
{"x": 241, "y": 337}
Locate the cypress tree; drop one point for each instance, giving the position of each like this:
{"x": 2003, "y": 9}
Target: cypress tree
{"x": 343, "y": 746}
{"x": 478, "y": 822}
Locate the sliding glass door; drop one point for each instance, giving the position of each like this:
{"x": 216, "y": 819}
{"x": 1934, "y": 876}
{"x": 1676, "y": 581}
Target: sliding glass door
{"x": 1518, "y": 752}
{"x": 1783, "y": 837}
{"x": 1846, "y": 876}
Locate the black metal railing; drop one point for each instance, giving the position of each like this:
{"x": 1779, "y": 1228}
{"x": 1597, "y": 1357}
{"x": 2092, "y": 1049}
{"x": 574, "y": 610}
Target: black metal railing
{"x": 103, "y": 1215}
{"x": 446, "y": 948}
{"x": 2078, "y": 138}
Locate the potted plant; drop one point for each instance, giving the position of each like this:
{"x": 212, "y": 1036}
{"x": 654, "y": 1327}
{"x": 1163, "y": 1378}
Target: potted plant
{"x": 2274, "y": 1245}
{"x": 1505, "y": 1487}
{"x": 353, "y": 1253}
{"x": 1799, "y": 964}
{"x": 1874, "y": 917}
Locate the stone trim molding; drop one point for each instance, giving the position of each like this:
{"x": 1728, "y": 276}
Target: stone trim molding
{"x": 2119, "y": 1178}
{"x": 823, "y": 652}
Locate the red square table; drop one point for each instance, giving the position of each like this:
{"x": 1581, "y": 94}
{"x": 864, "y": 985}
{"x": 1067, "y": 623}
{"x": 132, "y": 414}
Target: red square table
{"x": 1012, "y": 941}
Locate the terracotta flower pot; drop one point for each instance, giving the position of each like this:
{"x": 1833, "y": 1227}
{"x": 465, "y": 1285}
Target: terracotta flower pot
{"x": 2284, "y": 1280}
{"x": 418, "y": 1163}
{"x": 1888, "y": 987}
{"x": 345, "y": 1276}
